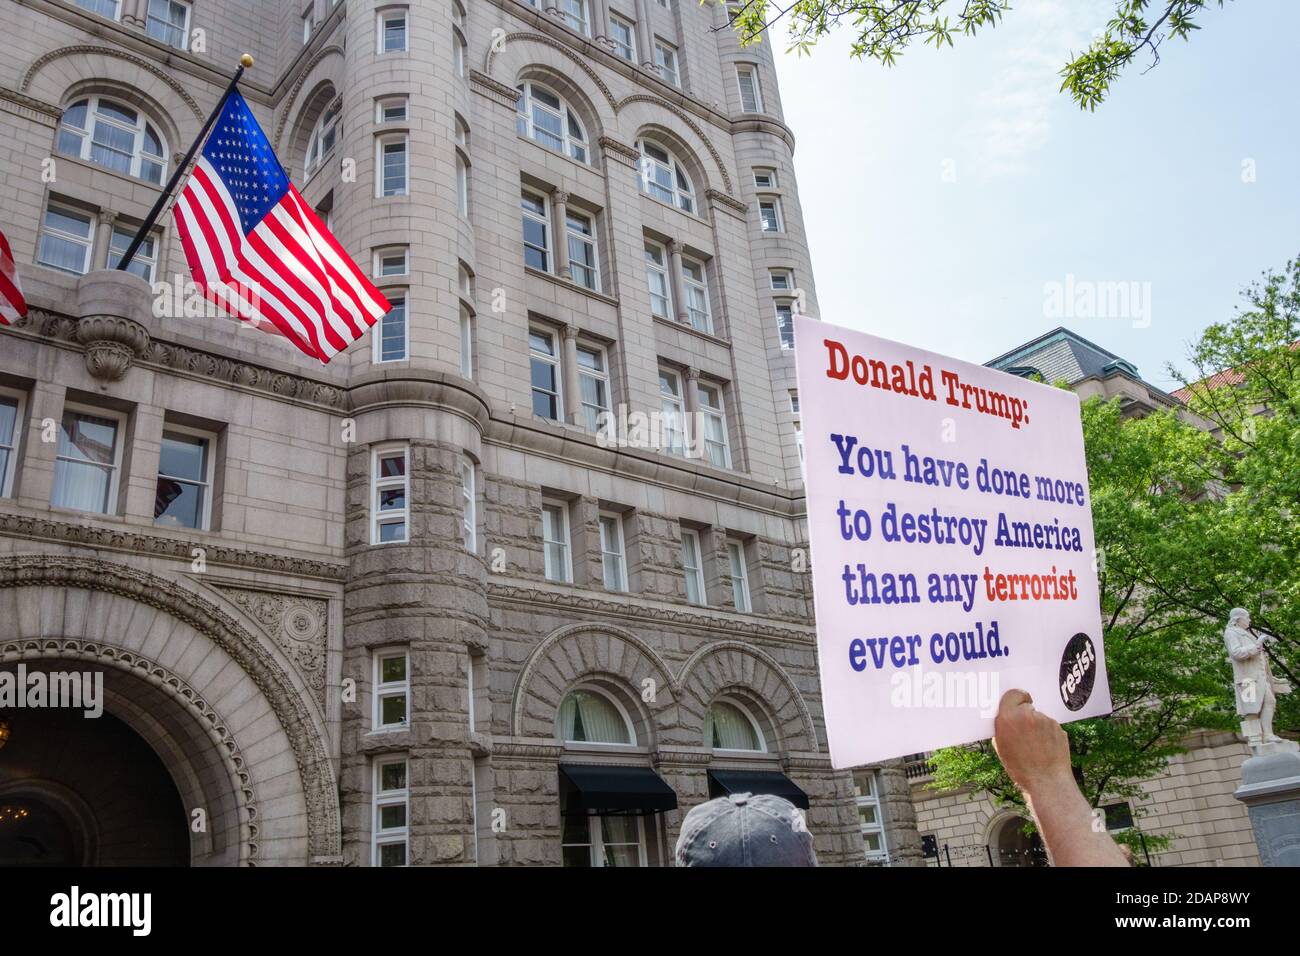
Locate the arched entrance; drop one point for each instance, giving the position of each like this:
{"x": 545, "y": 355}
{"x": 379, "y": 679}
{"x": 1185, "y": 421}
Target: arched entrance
{"x": 189, "y": 679}
{"x": 1011, "y": 846}
{"x": 76, "y": 791}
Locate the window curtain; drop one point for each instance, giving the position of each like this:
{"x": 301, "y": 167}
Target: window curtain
{"x": 726, "y": 728}
{"x": 590, "y": 718}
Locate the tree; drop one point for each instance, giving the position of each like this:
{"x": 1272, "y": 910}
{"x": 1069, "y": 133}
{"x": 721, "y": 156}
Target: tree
{"x": 1190, "y": 522}
{"x": 1246, "y": 384}
{"x": 887, "y": 27}
{"x": 1164, "y": 662}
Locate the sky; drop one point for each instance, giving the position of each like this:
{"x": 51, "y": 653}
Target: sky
{"x": 958, "y": 202}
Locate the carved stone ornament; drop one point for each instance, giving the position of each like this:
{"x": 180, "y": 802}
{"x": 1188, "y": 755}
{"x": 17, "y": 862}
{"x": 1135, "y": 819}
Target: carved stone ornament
{"x": 112, "y": 344}
{"x": 108, "y": 305}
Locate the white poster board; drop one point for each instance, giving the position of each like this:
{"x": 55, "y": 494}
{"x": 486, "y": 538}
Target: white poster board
{"x": 950, "y": 527}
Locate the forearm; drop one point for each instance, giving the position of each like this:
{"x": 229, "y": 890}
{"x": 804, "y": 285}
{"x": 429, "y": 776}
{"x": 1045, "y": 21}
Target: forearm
{"x": 1065, "y": 821}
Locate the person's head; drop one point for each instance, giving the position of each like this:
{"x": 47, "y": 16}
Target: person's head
{"x": 745, "y": 829}
{"x": 1239, "y": 616}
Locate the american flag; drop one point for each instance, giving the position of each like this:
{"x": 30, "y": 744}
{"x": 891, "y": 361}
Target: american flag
{"x": 12, "y": 304}
{"x": 257, "y": 249}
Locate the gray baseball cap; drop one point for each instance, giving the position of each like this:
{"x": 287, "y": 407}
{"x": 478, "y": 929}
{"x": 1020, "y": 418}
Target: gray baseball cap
{"x": 745, "y": 829}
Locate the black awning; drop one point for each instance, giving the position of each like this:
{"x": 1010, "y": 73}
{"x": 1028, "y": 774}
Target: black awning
{"x": 724, "y": 782}
{"x": 602, "y": 788}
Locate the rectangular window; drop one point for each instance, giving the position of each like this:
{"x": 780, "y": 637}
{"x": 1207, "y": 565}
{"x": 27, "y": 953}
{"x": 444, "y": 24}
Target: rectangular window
{"x": 392, "y": 109}
{"x": 466, "y": 343}
{"x": 656, "y": 265}
{"x": 717, "y": 447}
{"x": 769, "y": 211}
{"x": 765, "y": 177}
{"x": 697, "y": 295}
{"x": 145, "y": 260}
{"x": 392, "y": 261}
{"x": 392, "y": 31}
{"x": 394, "y": 166}
{"x": 544, "y": 373}
{"x": 169, "y": 21}
{"x": 798, "y": 441}
{"x": 392, "y": 690}
{"x": 468, "y": 507}
{"x": 183, "y": 495}
{"x": 866, "y": 794}
{"x": 751, "y": 97}
{"x": 794, "y": 402}
{"x": 666, "y": 60}
{"x": 692, "y": 567}
{"x": 593, "y": 380}
{"x": 739, "y": 576}
{"x": 555, "y": 541}
{"x": 595, "y": 840}
{"x": 672, "y": 409}
{"x": 785, "y": 324}
{"x": 613, "y": 560}
{"x": 67, "y": 237}
{"x": 623, "y": 33}
{"x": 391, "y": 801}
{"x": 582, "y": 250}
{"x": 306, "y": 28}
{"x": 391, "y": 342}
{"x": 390, "y": 490}
{"x": 537, "y": 231}
{"x": 782, "y": 279}
{"x": 11, "y": 427}
{"x": 575, "y": 15}
{"x": 88, "y": 461}
{"x": 105, "y": 8}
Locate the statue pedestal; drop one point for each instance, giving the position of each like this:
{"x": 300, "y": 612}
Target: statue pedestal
{"x": 1270, "y": 789}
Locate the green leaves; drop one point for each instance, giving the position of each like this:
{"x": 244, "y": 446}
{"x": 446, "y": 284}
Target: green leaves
{"x": 885, "y": 28}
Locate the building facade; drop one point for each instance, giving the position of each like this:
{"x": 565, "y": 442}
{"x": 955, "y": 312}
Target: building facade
{"x": 1191, "y": 800}
{"x": 423, "y": 605}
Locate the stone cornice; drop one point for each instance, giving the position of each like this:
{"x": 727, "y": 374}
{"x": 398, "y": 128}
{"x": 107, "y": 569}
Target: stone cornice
{"x": 729, "y": 203}
{"x": 29, "y": 107}
{"x": 620, "y": 151}
{"x": 149, "y": 545}
{"x": 493, "y": 89}
{"x": 762, "y": 123}
{"x": 166, "y": 356}
{"x": 514, "y": 748}
{"x": 637, "y": 612}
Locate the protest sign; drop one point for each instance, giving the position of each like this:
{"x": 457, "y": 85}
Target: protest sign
{"x": 950, "y": 527}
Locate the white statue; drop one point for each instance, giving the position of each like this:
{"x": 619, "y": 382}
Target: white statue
{"x": 1253, "y": 682}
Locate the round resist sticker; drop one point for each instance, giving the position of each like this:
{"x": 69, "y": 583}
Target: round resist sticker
{"x": 1078, "y": 671}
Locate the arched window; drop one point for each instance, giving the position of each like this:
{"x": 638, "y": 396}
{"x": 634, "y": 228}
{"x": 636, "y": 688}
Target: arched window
{"x": 729, "y": 727}
{"x": 547, "y": 119}
{"x": 664, "y": 177}
{"x": 324, "y": 137}
{"x": 588, "y": 716}
{"x": 459, "y": 48}
{"x": 115, "y": 136}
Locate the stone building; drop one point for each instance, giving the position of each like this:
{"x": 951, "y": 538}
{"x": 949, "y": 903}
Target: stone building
{"x": 1192, "y": 799}
{"x": 414, "y": 606}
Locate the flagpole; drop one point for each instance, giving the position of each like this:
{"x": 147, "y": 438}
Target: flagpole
{"x": 245, "y": 62}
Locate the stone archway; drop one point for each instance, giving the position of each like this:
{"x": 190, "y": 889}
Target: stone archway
{"x": 1009, "y": 845}
{"x": 234, "y": 726}
{"x": 601, "y": 652}
{"x": 721, "y": 666}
